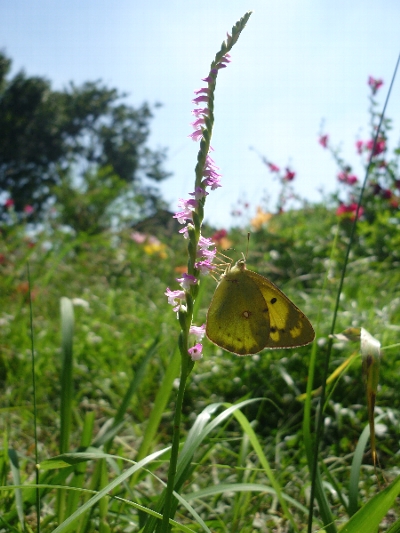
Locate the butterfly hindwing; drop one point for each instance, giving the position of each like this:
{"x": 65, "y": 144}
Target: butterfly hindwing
{"x": 249, "y": 313}
{"x": 234, "y": 321}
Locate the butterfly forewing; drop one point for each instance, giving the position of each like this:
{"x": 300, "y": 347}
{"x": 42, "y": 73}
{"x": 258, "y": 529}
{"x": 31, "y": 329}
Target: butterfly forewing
{"x": 289, "y": 327}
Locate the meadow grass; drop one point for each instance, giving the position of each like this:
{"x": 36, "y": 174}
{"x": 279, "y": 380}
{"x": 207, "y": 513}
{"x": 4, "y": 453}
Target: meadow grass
{"x": 122, "y": 382}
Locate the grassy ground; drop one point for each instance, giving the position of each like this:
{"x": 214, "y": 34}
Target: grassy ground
{"x": 124, "y": 329}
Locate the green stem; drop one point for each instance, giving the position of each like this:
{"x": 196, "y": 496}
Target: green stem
{"x": 185, "y": 371}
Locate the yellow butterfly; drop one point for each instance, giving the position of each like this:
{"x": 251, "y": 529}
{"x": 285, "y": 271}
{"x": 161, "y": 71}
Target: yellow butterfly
{"x": 248, "y": 313}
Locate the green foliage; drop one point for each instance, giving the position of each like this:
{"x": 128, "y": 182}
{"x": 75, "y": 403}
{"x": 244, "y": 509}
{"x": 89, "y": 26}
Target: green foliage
{"x": 46, "y": 135}
{"x": 124, "y": 330}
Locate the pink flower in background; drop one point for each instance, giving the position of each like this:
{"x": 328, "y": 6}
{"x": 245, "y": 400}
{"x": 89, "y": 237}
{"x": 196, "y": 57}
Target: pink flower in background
{"x": 289, "y": 176}
{"x": 28, "y": 210}
{"x": 374, "y": 83}
{"x": 359, "y": 146}
{"x": 323, "y": 140}
{"x": 9, "y": 203}
{"x": 349, "y": 179}
{"x": 273, "y": 168}
{"x": 380, "y": 146}
{"x": 349, "y": 211}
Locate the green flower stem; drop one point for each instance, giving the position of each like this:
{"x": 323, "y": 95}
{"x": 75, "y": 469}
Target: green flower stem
{"x": 186, "y": 368}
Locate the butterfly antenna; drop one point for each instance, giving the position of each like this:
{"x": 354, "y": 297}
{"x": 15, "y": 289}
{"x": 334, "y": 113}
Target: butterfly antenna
{"x": 248, "y": 242}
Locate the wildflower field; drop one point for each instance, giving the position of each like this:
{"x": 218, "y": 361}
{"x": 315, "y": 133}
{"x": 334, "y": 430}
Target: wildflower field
{"x": 119, "y": 415}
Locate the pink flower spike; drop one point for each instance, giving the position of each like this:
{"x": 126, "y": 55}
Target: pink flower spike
{"x": 195, "y": 352}
{"x": 209, "y": 79}
{"x": 205, "y": 267}
{"x": 198, "y": 331}
{"x": 202, "y": 90}
{"x": 323, "y": 141}
{"x": 200, "y": 99}
{"x": 199, "y": 193}
{"x": 186, "y": 281}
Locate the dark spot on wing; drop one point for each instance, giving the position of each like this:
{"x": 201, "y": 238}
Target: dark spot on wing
{"x": 273, "y": 300}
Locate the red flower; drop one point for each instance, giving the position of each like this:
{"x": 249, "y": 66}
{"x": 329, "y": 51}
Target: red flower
{"x": 289, "y": 176}
{"x": 9, "y": 203}
{"x": 386, "y": 193}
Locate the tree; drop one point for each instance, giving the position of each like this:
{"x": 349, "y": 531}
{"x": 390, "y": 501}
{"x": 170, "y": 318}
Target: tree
{"x": 48, "y": 136}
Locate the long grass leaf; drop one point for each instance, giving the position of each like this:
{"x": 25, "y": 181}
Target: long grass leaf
{"x": 12, "y": 454}
{"x": 368, "y": 518}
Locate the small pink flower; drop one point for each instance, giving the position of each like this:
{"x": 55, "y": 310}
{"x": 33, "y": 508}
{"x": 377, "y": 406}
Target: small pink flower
{"x": 175, "y": 298}
{"x": 198, "y": 331}
{"x": 359, "y": 146}
{"x": 205, "y": 266}
{"x": 139, "y": 238}
{"x": 186, "y": 281}
{"x": 9, "y": 203}
{"x": 380, "y": 146}
{"x": 375, "y": 84}
{"x": 273, "y": 168}
{"x": 323, "y": 140}
{"x": 196, "y": 352}
{"x": 289, "y": 176}
{"x": 349, "y": 210}
{"x": 199, "y": 193}
{"x": 28, "y": 210}
{"x": 351, "y": 180}
{"x": 201, "y": 98}
{"x": 196, "y": 135}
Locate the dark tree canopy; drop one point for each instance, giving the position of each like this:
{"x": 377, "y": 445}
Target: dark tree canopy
{"x": 46, "y": 135}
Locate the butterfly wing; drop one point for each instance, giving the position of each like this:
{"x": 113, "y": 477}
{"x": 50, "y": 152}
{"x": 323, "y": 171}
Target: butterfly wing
{"x": 289, "y": 327}
{"x": 238, "y": 319}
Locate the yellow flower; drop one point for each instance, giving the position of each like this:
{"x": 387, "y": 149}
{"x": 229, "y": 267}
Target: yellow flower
{"x": 260, "y": 219}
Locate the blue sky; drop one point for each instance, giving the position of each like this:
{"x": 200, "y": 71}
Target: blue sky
{"x": 297, "y": 63}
